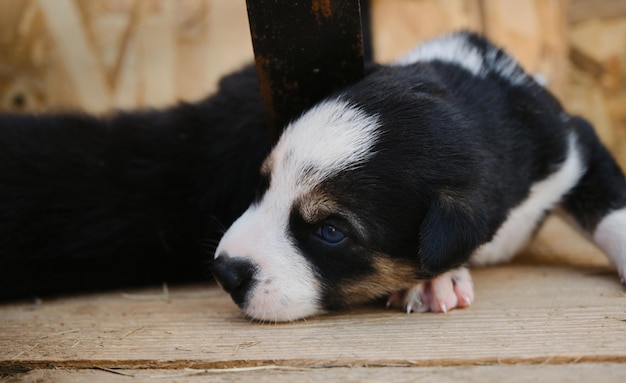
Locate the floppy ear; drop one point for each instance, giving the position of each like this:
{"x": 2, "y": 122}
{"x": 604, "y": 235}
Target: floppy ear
{"x": 449, "y": 234}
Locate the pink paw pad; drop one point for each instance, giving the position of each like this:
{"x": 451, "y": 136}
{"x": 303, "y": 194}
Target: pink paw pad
{"x": 443, "y": 293}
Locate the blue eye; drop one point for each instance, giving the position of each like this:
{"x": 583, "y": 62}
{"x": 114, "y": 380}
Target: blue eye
{"x": 330, "y": 234}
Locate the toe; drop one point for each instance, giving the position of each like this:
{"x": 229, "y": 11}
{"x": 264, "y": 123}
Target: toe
{"x": 463, "y": 287}
{"x": 397, "y": 299}
{"x": 443, "y": 295}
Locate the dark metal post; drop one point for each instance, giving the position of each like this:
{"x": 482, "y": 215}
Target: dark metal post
{"x": 304, "y": 49}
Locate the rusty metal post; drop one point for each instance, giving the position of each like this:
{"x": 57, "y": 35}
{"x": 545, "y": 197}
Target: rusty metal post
{"x": 303, "y": 51}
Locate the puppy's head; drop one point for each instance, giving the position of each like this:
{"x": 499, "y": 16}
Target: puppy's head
{"x": 348, "y": 210}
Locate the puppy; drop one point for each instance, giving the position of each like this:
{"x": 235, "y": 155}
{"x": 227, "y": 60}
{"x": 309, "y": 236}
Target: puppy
{"x": 451, "y": 156}
{"x": 134, "y": 198}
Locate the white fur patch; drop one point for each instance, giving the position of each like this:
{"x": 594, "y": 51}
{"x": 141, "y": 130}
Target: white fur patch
{"x": 518, "y": 228}
{"x": 331, "y": 137}
{"x": 285, "y": 287}
{"x": 610, "y": 235}
{"x": 458, "y": 50}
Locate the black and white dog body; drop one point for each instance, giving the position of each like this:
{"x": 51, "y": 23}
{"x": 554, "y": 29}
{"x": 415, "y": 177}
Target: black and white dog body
{"x": 451, "y": 156}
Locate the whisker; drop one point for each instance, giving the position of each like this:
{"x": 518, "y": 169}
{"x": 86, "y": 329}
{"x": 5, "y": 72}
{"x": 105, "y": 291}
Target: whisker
{"x": 209, "y": 241}
{"x": 220, "y": 225}
{"x": 208, "y": 245}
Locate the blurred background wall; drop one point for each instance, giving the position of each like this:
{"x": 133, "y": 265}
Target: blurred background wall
{"x": 101, "y": 54}
{"x": 98, "y": 55}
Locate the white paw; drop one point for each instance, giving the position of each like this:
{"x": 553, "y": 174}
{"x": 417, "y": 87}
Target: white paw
{"x": 453, "y": 289}
{"x": 609, "y": 235}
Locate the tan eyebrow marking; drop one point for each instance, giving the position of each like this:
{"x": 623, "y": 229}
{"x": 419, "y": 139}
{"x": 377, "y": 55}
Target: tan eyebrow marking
{"x": 316, "y": 206}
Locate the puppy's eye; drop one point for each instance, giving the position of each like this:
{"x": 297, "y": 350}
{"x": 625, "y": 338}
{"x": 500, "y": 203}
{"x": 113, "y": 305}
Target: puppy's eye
{"x": 330, "y": 234}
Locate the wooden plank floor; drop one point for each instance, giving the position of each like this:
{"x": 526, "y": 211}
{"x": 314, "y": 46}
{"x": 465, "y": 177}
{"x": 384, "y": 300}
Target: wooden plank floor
{"x": 556, "y": 322}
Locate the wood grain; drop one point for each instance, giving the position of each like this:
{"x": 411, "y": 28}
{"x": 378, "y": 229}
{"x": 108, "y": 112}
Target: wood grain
{"x": 77, "y": 54}
{"x": 604, "y": 372}
{"x": 522, "y": 314}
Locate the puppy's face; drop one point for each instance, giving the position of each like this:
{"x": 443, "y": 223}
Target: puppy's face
{"x": 339, "y": 219}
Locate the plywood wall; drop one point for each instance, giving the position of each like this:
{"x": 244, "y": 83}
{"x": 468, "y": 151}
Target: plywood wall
{"x": 97, "y": 55}
{"x": 534, "y": 31}
{"x": 597, "y": 77}
{"x": 103, "y": 54}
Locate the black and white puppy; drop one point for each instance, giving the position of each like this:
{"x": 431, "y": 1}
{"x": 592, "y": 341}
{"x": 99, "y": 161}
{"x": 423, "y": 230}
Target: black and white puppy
{"x": 453, "y": 155}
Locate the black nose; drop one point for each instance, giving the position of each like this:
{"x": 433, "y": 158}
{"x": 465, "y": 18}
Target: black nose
{"x": 235, "y": 275}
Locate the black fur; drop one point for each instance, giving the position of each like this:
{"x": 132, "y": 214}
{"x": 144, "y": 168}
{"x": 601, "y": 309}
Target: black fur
{"x": 470, "y": 148}
{"x": 602, "y": 187}
{"x": 456, "y": 154}
{"x": 445, "y": 174}
{"x": 135, "y": 198}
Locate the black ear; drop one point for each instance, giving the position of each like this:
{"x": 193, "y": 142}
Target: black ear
{"x": 450, "y": 233}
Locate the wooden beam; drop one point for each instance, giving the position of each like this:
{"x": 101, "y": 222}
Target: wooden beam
{"x": 303, "y": 51}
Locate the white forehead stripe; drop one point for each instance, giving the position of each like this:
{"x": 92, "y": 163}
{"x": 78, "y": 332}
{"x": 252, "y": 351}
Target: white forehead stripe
{"x": 332, "y": 136}
{"x": 457, "y": 49}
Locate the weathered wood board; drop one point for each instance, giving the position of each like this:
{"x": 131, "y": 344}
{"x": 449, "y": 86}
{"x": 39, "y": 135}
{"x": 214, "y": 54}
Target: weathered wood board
{"x": 521, "y": 373}
{"x": 522, "y": 314}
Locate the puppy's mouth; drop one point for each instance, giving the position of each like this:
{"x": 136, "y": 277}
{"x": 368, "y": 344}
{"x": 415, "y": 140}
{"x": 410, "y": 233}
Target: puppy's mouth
{"x": 263, "y": 297}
